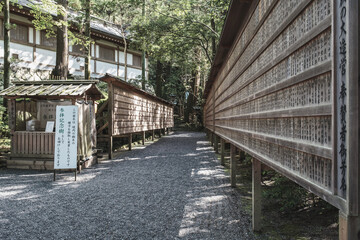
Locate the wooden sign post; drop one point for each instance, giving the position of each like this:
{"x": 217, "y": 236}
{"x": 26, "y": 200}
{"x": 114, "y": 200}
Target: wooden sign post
{"x": 66, "y": 133}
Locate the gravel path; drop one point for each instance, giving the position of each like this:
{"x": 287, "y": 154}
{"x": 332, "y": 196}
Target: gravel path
{"x": 172, "y": 189}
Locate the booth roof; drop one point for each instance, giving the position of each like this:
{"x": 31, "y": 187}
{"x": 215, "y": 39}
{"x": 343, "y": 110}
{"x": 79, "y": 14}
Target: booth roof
{"x": 53, "y": 89}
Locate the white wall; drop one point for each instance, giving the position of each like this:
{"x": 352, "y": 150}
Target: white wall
{"x": 121, "y": 72}
{"x": 133, "y": 73}
{"x": 103, "y": 68}
{"x": 46, "y": 57}
{"x": 74, "y": 65}
{"x": 25, "y": 52}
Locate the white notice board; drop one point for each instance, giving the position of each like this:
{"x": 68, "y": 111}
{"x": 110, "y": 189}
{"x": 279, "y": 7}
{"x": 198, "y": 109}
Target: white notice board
{"x": 66, "y": 133}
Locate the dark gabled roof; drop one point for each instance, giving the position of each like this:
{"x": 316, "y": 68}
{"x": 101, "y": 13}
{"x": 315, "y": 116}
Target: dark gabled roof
{"x": 53, "y": 89}
{"x": 97, "y": 24}
{"x": 121, "y": 83}
{"x": 235, "y": 21}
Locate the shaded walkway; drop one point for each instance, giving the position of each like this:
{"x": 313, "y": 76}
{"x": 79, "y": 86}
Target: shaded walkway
{"x": 172, "y": 189}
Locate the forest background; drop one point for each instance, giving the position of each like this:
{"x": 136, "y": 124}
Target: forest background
{"x": 179, "y": 37}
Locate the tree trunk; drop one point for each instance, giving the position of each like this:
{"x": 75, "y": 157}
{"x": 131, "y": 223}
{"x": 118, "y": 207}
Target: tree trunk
{"x": 197, "y": 76}
{"x": 6, "y": 47}
{"x": 125, "y": 57}
{"x": 88, "y": 45}
{"x": 191, "y": 99}
{"x": 158, "y": 87}
{"x": 143, "y": 70}
{"x": 62, "y": 48}
{"x": 213, "y": 38}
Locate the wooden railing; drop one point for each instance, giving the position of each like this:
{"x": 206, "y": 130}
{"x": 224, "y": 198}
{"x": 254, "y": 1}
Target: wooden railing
{"x": 33, "y": 144}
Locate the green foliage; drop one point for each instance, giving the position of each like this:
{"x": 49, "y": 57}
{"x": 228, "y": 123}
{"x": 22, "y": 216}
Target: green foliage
{"x": 285, "y": 193}
{"x": 45, "y": 19}
{"x": 182, "y": 36}
{"x": 4, "y": 128}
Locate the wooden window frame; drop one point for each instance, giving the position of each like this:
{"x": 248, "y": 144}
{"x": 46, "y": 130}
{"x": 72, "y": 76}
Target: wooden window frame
{"x": 26, "y": 34}
{"x": 140, "y": 60}
{"x": 113, "y": 60}
{"x": 42, "y": 36}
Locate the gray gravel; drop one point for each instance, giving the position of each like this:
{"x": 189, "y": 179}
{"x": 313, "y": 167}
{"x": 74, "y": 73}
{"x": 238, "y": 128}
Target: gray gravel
{"x": 172, "y": 189}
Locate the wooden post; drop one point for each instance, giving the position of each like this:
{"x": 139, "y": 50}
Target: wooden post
{"x": 153, "y": 135}
{"x": 241, "y": 155}
{"x": 130, "y": 141}
{"x": 143, "y": 138}
{"x": 216, "y": 147}
{"x": 212, "y": 139}
{"x": 110, "y": 118}
{"x": 346, "y": 15}
{"x": 24, "y": 114}
{"x": 159, "y": 133}
{"x": 349, "y": 227}
{"x": 232, "y": 165}
{"x": 256, "y": 195}
{"x": 222, "y": 152}
{"x": 110, "y": 146}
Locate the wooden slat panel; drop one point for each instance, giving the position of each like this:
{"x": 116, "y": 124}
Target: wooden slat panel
{"x": 38, "y": 141}
{"x": 273, "y": 96}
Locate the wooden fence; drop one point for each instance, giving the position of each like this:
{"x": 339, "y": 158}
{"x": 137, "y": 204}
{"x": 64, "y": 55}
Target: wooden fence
{"x": 131, "y": 110}
{"x": 33, "y": 144}
{"x": 286, "y": 92}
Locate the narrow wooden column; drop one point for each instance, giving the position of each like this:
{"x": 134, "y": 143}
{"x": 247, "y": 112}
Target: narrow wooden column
{"x": 216, "y": 146}
{"x": 232, "y": 165}
{"x": 143, "y": 138}
{"x": 212, "y": 139}
{"x": 159, "y": 133}
{"x": 130, "y": 141}
{"x": 241, "y": 155}
{"x": 222, "y": 152}
{"x": 256, "y": 195}
{"x": 349, "y": 227}
{"x": 110, "y": 118}
{"x": 153, "y": 135}
{"x": 110, "y": 146}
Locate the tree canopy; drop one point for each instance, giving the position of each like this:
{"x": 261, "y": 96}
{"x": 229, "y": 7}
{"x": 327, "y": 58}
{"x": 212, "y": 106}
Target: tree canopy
{"x": 178, "y": 36}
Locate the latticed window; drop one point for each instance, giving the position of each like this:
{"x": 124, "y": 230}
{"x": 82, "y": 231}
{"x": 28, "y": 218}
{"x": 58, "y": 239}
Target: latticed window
{"x": 77, "y": 48}
{"x": 137, "y": 60}
{"x": 19, "y": 33}
{"x": 106, "y": 53}
{"x": 47, "y": 41}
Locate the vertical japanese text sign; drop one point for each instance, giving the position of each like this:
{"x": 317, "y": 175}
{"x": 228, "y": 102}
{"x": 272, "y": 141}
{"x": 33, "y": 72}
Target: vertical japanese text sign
{"x": 65, "y": 156}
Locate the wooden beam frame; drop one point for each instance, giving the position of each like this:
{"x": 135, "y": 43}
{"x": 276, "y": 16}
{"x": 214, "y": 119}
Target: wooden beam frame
{"x": 233, "y": 166}
{"x": 256, "y": 195}
{"x": 222, "y": 141}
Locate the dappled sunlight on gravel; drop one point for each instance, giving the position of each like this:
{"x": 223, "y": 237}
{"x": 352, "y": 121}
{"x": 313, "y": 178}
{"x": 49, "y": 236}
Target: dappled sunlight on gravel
{"x": 174, "y": 188}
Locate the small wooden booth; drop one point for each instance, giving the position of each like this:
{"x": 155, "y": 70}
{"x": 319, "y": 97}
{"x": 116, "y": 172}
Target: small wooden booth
{"x": 132, "y": 111}
{"x": 31, "y": 105}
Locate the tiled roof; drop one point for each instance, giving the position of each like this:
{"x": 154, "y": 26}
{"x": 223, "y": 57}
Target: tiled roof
{"x": 97, "y": 24}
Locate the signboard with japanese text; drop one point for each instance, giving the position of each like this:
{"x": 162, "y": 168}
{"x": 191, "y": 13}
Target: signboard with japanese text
{"x": 66, "y": 133}
{"x": 46, "y": 111}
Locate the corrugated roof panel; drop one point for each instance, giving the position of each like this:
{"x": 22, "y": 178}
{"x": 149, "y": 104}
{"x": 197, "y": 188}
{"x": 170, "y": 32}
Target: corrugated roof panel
{"x": 60, "y": 90}
{"x": 49, "y": 89}
{"x": 8, "y": 90}
{"x": 81, "y": 90}
{"x": 29, "y": 89}
{"x": 39, "y": 90}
